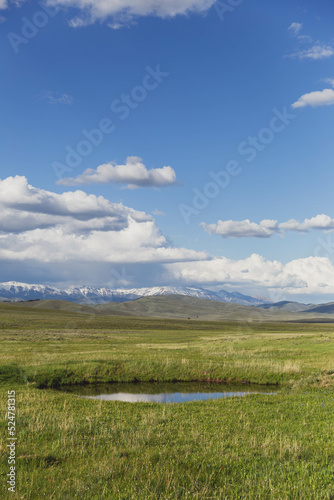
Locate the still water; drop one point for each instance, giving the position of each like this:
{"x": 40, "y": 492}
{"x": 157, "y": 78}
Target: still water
{"x": 167, "y": 393}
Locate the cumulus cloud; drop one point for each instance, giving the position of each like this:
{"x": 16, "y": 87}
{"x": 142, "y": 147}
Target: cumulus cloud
{"x": 127, "y": 10}
{"x": 318, "y": 98}
{"x": 134, "y": 174}
{"x": 312, "y": 275}
{"x": 137, "y": 243}
{"x": 17, "y": 194}
{"x": 3, "y": 4}
{"x": 313, "y": 50}
{"x": 45, "y": 227}
{"x": 242, "y": 229}
{"x": 267, "y": 228}
{"x": 319, "y": 222}
{"x": 79, "y": 237}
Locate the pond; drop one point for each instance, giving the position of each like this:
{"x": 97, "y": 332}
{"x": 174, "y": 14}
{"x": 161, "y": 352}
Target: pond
{"x": 167, "y": 393}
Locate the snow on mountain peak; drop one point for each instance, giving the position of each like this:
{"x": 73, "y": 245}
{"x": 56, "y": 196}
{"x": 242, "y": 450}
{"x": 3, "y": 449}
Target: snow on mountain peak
{"x": 13, "y": 290}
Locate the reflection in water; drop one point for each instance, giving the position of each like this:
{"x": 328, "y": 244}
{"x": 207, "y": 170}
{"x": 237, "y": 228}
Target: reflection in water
{"x": 175, "y": 397}
{"x": 166, "y": 392}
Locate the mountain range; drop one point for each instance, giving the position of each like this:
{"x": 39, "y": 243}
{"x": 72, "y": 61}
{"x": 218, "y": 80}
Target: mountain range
{"x": 181, "y": 307}
{"x": 14, "y": 291}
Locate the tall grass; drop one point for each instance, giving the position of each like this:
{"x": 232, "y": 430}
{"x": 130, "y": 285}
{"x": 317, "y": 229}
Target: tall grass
{"x": 256, "y": 447}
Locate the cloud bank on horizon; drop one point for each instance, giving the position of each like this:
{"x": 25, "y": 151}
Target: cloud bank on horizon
{"x": 80, "y": 230}
{"x": 311, "y": 275}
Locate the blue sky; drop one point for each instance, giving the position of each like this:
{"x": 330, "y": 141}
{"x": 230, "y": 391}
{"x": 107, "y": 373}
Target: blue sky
{"x": 226, "y": 72}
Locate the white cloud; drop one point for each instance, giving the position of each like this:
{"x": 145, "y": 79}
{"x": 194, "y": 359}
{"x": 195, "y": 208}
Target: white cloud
{"x": 267, "y": 228}
{"x": 4, "y": 3}
{"x": 312, "y": 275}
{"x": 330, "y": 81}
{"x": 17, "y": 194}
{"x": 82, "y": 237}
{"x": 134, "y": 174}
{"x": 316, "y": 52}
{"x": 158, "y": 212}
{"x": 126, "y": 10}
{"x": 56, "y": 98}
{"x": 136, "y": 243}
{"x": 242, "y": 229}
{"x": 318, "y": 98}
{"x": 295, "y": 28}
{"x": 45, "y": 227}
{"x": 319, "y": 222}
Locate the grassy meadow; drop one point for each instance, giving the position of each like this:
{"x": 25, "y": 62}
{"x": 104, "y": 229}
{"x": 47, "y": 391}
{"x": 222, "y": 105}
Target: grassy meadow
{"x": 255, "y": 447}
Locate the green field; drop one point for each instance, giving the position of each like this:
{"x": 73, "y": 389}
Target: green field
{"x": 257, "y": 447}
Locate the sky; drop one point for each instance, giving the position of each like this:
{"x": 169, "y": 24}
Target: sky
{"x": 184, "y": 143}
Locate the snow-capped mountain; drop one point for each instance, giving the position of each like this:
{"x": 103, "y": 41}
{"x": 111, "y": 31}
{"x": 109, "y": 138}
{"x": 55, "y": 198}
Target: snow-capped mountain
{"x": 13, "y": 290}
{"x": 89, "y": 295}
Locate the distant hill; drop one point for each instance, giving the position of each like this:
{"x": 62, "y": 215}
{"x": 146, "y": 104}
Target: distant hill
{"x": 322, "y": 309}
{"x": 285, "y": 305}
{"x": 167, "y": 306}
{"x": 178, "y": 307}
{"x": 192, "y": 308}
{"x": 299, "y": 308}
{"x": 57, "y": 305}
